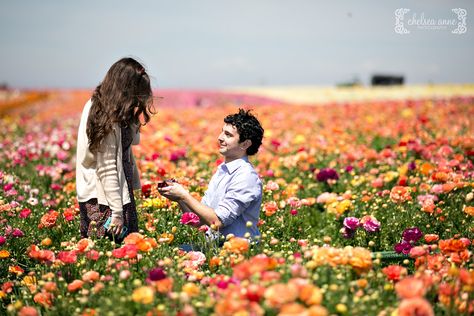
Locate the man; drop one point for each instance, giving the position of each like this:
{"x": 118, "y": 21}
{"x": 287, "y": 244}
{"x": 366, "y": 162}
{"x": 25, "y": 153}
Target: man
{"x": 232, "y": 201}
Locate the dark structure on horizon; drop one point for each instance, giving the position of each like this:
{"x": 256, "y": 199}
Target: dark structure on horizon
{"x": 387, "y": 80}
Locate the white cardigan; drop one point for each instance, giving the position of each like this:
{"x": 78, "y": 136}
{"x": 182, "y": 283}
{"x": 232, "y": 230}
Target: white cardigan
{"x": 101, "y": 175}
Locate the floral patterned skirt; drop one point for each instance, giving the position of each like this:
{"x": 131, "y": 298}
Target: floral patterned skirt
{"x": 93, "y": 217}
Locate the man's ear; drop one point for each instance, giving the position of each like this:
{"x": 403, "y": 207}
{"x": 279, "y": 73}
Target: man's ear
{"x": 246, "y": 144}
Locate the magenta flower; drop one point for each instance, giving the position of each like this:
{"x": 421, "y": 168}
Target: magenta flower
{"x": 3, "y": 240}
{"x": 347, "y": 232}
{"x": 351, "y": 223}
{"x": 189, "y": 218}
{"x": 156, "y": 274}
{"x": 412, "y": 234}
{"x": 25, "y": 213}
{"x": 17, "y": 233}
{"x": 371, "y": 226}
{"x": 326, "y": 174}
{"x": 403, "y": 247}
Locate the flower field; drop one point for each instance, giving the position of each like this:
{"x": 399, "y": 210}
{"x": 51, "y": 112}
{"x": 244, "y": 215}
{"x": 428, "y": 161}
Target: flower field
{"x": 368, "y": 209}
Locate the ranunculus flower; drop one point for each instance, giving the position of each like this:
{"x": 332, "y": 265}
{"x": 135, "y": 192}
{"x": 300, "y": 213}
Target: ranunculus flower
{"x": 156, "y": 274}
{"x": 415, "y": 306}
{"x": 370, "y": 223}
{"x": 3, "y": 240}
{"x": 412, "y": 234}
{"x": 24, "y": 213}
{"x": 351, "y": 223}
{"x": 403, "y": 247}
{"x": 17, "y": 233}
{"x": 326, "y": 174}
{"x": 146, "y": 190}
{"x": 347, "y": 233}
{"x": 394, "y": 272}
{"x": 67, "y": 256}
{"x": 189, "y": 218}
{"x": 410, "y": 287}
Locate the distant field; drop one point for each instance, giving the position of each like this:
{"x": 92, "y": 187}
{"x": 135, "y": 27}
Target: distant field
{"x": 320, "y": 95}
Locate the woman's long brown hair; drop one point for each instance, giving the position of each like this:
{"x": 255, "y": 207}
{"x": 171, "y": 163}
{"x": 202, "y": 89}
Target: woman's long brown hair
{"x": 123, "y": 96}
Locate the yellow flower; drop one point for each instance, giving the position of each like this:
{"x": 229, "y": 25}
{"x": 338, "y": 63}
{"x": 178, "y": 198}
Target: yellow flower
{"x": 144, "y": 295}
{"x": 4, "y": 254}
{"x": 191, "y": 289}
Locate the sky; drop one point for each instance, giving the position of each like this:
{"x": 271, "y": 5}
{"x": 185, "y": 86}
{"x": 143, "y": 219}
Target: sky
{"x": 219, "y": 43}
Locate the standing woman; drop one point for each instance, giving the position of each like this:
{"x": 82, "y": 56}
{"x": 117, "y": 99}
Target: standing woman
{"x": 106, "y": 172}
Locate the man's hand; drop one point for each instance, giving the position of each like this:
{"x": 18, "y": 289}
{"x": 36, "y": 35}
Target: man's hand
{"x": 116, "y": 226}
{"x": 174, "y": 192}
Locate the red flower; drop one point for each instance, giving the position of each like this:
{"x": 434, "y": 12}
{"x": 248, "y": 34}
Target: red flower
{"x": 25, "y": 213}
{"x": 67, "y": 256}
{"x": 69, "y": 214}
{"x": 128, "y": 251}
{"x": 393, "y": 272}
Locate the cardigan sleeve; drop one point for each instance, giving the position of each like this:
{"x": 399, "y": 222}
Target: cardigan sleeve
{"x": 108, "y": 173}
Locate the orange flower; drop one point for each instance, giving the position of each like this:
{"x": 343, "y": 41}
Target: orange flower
{"x": 410, "y": 287}
{"x": 164, "y": 285}
{"x": 237, "y": 245}
{"x": 256, "y": 264}
{"x": 4, "y": 254}
{"x": 16, "y": 270}
{"x": 317, "y": 310}
{"x": 41, "y": 255}
{"x": 28, "y": 311}
{"x": 359, "y": 258}
{"x": 452, "y": 245}
{"x": 48, "y": 220}
{"x": 50, "y": 287}
{"x": 431, "y": 238}
{"x": 279, "y": 294}
{"x": 75, "y": 285}
{"x": 46, "y": 242}
{"x": 292, "y": 309}
{"x": 310, "y": 294}
{"x": 83, "y": 245}
{"x": 415, "y": 306}
{"x": 91, "y": 276}
{"x": 44, "y": 299}
{"x": 270, "y": 208}
{"x": 426, "y": 168}
{"x": 142, "y": 243}
{"x": 469, "y": 210}
{"x": 400, "y": 194}
{"x": 166, "y": 238}
{"x": 214, "y": 262}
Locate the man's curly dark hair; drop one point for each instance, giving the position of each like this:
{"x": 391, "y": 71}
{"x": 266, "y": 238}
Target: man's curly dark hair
{"x": 248, "y": 127}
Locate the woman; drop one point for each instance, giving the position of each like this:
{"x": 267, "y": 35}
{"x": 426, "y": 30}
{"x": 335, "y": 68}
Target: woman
{"x": 106, "y": 173}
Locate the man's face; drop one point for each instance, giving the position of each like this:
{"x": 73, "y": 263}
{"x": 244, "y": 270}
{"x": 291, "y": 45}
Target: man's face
{"x": 228, "y": 141}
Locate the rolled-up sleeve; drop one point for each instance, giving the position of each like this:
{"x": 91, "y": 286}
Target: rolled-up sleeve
{"x": 242, "y": 191}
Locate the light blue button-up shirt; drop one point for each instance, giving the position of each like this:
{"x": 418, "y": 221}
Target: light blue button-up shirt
{"x": 235, "y": 194}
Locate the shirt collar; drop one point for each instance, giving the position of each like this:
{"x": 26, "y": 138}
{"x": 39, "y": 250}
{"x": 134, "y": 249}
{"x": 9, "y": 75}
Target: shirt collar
{"x": 235, "y": 164}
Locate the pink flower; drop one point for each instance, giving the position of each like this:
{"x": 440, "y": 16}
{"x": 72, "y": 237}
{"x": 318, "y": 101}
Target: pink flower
{"x": 25, "y": 213}
{"x": 370, "y": 223}
{"x": 67, "y": 256}
{"x": 3, "y": 240}
{"x": 351, "y": 223}
{"x": 189, "y": 218}
{"x": 17, "y": 233}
